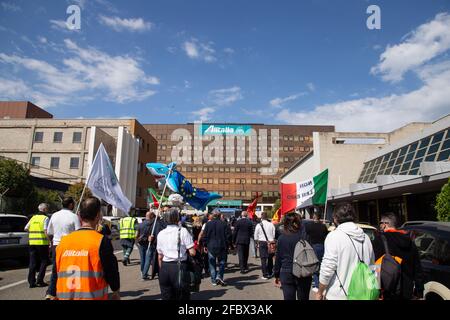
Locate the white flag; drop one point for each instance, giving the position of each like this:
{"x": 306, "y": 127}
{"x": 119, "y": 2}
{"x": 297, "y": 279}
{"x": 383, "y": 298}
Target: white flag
{"x": 104, "y": 184}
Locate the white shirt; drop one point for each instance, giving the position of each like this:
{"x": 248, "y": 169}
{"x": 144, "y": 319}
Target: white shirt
{"x": 61, "y": 224}
{"x": 341, "y": 257}
{"x": 167, "y": 243}
{"x": 269, "y": 228}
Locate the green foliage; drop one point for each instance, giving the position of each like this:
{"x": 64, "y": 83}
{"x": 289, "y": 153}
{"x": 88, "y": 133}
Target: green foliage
{"x": 75, "y": 191}
{"x": 48, "y": 196}
{"x": 16, "y": 178}
{"x": 443, "y": 203}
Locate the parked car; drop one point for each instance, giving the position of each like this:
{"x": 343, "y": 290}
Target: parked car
{"x": 433, "y": 242}
{"x": 13, "y": 237}
{"x": 113, "y": 223}
{"x": 371, "y": 231}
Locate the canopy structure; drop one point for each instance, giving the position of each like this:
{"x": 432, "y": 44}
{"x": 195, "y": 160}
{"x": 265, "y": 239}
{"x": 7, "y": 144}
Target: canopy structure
{"x": 225, "y": 203}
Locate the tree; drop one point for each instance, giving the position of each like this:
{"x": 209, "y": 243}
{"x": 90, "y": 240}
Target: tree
{"x": 16, "y": 178}
{"x": 75, "y": 191}
{"x": 443, "y": 203}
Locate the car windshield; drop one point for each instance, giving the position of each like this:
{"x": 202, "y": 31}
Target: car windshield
{"x": 370, "y": 233}
{"x": 12, "y": 224}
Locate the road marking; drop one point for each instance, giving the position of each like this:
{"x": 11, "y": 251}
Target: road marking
{"x": 25, "y": 281}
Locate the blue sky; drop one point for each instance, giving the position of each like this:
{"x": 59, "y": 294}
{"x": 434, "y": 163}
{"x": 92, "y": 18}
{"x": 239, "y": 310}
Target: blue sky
{"x": 285, "y": 62}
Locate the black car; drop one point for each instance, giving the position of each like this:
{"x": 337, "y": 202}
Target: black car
{"x": 433, "y": 242}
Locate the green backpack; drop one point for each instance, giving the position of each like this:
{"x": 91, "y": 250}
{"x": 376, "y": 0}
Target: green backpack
{"x": 363, "y": 283}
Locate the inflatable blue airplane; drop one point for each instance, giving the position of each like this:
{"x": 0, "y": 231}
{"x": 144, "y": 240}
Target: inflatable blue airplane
{"x": 197, "y": 198}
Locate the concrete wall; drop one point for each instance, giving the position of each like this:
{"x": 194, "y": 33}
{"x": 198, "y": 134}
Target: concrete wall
{"x": 344, "y": 161}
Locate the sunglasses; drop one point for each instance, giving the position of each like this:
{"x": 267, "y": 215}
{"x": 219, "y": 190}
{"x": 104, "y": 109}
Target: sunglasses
{"x": 384, "y": 222}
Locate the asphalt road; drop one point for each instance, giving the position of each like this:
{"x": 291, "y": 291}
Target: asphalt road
{"x": 250, "y": 286}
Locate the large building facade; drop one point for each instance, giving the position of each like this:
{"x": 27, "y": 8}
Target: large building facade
{"x": 62, "y": 150}
{"x": 400, "y": 171}
{"x": 238, "y": 161}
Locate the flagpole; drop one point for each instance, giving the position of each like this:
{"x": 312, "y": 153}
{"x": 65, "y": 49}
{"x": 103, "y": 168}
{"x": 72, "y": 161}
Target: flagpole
{"x": 160, "y": 202}
{"x": 81, "y": 198}
{"x": 86, "y": 182}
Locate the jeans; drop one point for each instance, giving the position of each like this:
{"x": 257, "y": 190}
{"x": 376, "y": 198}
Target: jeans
{"x": 222, "y": 258}
{"x": 38, "y": 261}
{"x": 147, "y": 257}
{"x": 266, "y": 259}
{"x": 319, "y": 251}
{"x": 54, "y": 277}
{"x": 295, "y": 288}
{"x": 253, "y": 250}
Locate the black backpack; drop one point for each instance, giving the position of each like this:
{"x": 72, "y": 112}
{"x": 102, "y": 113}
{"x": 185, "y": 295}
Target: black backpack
{"x": 391, "y": 272}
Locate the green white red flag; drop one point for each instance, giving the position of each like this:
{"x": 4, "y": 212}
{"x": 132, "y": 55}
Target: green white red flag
{"x": 294, "y": 195}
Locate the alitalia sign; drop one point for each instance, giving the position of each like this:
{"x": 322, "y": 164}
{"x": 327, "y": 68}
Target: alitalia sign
{"x": 216, "y": 129}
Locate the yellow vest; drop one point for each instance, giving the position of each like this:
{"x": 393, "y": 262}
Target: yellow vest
{"x": 37, "y": 236}
{"x": 126, "y": 227}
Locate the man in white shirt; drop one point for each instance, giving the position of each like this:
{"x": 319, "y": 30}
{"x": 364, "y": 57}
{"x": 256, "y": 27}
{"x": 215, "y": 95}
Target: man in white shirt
{"x": 168, "y": 241}
{"x": 264, "y": 235}
{"x": 61, "y": 224}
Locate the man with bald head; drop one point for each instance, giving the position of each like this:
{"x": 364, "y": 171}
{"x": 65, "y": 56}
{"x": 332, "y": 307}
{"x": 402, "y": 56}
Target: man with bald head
{"x": 241, "y": 239}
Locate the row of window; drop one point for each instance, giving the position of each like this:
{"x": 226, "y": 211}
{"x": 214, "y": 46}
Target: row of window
{"x": 285, "y": 138}
{"x": 55, "y": 162}
{"x": 235, "y": 181}
{"x": 164, "y": 147}
{"x": 407, "y": 160}
{"x": 248, "y": 194}
{"x": 57, "y": 137}
{"x": 220, "y": 169}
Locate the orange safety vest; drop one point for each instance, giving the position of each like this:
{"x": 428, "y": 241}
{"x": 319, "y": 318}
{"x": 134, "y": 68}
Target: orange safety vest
{"x": 79, "y": 268}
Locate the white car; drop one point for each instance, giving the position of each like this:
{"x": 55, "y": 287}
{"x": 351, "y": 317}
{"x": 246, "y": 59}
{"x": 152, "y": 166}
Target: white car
{"x": 13, "y": 237}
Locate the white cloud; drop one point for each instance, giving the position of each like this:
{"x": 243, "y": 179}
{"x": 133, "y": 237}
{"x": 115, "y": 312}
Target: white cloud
{"x": 8, "y": 6}
{"x": 58, "y": 24}
{"x": 224, "y": 97}
{"x": 133, "y": 24}
{"x": 204, "y": 113}
{"x": 228, "y": 50}
{"x": 197, "y": 50}
{"x": 17, "y": 89}
{"x": 420, "y": 46}
{"x": 278, "y": 102}
{"x": 383, "y": 114}
{"x": 42, "y": 40}
{"x": 311, "y": 87}
{"x": 85, "y": 72}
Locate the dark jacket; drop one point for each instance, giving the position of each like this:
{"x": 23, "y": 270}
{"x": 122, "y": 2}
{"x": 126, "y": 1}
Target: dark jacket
{"x": 243, "y": 231}
{"x": 285, "y": 251}
{"x": 317, "y": 232}
{"x": 402, "y": 246}
{"x": 216, "y": 236}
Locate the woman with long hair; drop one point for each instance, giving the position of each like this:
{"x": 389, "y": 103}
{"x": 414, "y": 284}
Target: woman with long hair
{"x": 294, "y": 288}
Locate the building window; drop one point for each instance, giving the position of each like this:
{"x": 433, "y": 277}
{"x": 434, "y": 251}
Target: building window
{"x": 74, "y": 163}
{"x": 54, "y": 162}
{"x": 35, "y": 161}
{"x": 38, "y": 137}
{"x": 205, "y": 181}
{"x": 76, "y": 138}
{"x": 57, "y": 137}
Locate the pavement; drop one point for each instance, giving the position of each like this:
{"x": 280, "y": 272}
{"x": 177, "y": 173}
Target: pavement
{"x": 249, "y": 286}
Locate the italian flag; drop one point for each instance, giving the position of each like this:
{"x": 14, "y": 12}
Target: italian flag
{"x": 295, "y": 194}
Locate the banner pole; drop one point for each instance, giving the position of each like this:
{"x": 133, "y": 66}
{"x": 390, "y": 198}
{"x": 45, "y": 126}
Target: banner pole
{"x": 160, "y": 202}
